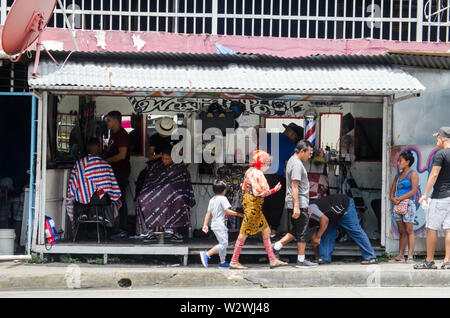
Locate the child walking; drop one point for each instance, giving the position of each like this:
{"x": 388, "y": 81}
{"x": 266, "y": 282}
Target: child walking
{"x": 218, "y": 207}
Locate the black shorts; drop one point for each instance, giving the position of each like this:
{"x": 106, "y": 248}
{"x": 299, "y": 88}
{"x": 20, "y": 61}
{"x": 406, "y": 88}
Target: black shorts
{"x": 300, "y": 227}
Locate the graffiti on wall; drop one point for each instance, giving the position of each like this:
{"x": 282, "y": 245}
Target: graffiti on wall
{"x": 259, "y": 107}
{"x": 423, "y": 160}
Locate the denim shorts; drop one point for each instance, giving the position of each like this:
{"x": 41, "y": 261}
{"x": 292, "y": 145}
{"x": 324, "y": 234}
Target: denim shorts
{"x": 408, "y": 217}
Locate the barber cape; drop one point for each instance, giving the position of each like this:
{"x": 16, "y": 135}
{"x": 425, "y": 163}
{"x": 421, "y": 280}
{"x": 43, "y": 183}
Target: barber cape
{"x": 89, "y": 175}
{"x": 166, "y": 197}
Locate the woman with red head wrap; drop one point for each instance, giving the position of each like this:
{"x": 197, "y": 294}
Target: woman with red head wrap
{"x": 255, "y": 189}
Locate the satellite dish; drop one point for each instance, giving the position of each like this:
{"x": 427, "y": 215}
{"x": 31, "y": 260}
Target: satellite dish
{"x": 24, "y": 25}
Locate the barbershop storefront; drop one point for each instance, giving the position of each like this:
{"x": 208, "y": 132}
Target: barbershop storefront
{"x": 348, "y": 103}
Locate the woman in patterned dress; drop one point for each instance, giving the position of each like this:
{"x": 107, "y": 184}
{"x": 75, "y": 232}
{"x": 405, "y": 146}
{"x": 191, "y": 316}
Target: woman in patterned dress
{"x": 256, "y": 188}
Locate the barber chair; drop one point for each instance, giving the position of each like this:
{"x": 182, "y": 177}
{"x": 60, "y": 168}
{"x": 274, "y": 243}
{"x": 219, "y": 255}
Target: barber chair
{"x": 96, "y": 212}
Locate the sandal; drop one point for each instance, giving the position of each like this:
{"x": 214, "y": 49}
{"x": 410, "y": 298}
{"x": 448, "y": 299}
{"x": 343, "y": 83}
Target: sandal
{"x": 321, "y": 261}
{"x": 278, "y": 264}
{"x": 410, "y": 261}
{"x": 369, "y": 261}
{"x": 425, "y": 265}
{"x": 396, "y": 260}
{"x": 445, "y": 265}
{"x": 234, "y": 265}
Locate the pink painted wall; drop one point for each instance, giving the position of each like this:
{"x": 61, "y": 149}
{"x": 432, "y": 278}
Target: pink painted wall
{"x": 190, "y": 43}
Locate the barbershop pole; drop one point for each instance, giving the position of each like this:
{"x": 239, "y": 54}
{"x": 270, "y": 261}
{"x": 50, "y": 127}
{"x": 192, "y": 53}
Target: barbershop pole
{"x": 310, "y": 130}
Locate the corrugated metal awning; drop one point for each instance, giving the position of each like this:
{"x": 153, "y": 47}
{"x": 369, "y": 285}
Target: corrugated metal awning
{"x": 280, "y": 76}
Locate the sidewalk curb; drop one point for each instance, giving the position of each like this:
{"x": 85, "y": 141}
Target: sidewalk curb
{"x": 75, "y": 276}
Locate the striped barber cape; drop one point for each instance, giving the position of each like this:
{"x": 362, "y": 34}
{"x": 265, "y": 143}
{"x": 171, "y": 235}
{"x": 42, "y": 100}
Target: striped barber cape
{"x": 89, "y": 175}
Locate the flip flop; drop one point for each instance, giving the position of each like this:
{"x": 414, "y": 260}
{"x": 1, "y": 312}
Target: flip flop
{"x": 237, "y": 266}
{"x": 396, "y": 260}
{"x": 410, "y": 261}
{"x": 278, "y": 264}
{"x": 369, "y": 261}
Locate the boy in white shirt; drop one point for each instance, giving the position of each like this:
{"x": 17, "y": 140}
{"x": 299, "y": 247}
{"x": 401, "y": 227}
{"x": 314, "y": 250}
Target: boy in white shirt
{"x": 218, "y": 207}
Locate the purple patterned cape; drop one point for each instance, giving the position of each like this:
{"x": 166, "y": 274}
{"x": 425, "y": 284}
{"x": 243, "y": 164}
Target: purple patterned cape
{"x": 166, "y": 197}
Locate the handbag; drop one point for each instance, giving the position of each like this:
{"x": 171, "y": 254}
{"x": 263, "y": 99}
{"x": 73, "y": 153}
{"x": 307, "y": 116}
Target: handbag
{"x": 402, "y": 207}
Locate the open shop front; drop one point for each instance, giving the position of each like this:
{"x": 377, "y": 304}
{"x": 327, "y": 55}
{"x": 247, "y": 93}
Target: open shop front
{"x": 17, "y": 140}
{"x": 348, "y": 106}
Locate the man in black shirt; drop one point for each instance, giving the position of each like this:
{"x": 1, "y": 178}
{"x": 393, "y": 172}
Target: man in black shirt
{"x": 438, "y": 215}
{"x": 165, "y": 127}
{"x": 327, "y": 215}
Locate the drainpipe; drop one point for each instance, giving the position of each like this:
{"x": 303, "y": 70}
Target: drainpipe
{"x": 403, "y": 98}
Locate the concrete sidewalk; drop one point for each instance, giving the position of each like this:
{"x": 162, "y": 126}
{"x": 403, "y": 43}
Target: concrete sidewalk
{"x": 15, "y": 275}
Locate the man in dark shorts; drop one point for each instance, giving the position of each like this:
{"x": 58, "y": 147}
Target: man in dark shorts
{"x": 281, "y": 150}
{"x": 118, "y": 156}
{"x": 297, "y": 200}
{"x": 438, "y": 215}
{"x": 327, "y": 215}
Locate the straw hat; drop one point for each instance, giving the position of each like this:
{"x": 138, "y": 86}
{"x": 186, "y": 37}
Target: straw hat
{"x": 166, "y": 126}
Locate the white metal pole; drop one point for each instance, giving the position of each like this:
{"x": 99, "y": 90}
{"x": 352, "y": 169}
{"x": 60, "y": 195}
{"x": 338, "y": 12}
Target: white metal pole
{"x": 37, "y": 197}
{"x": 3, "y": 11}
{"x": 44, "y": 167}
{"x": 387, "y": 144}
{"x": 214, "y": 17}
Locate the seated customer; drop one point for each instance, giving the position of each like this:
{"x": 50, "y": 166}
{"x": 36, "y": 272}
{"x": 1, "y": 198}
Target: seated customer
{"x": 328, "y": 214}
{"x": 89, "y": 175}
{"x": 166, "y": 198}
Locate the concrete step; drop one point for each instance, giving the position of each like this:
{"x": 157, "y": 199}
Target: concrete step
{"x": 61, "y": 276}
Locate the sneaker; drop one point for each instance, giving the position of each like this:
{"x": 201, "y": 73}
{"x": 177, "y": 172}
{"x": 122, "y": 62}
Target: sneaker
{"x": 119, "y": 236}
{"x": 83, "y": 217}
{"x": 169, "y": 231}
{"x": 146, "y": 233}
{"x": 224, "y": 265}
{"x": 176, "y": 237}
{"x": 305, "y": 264}
{"x": 102, "y": 219}
{"x": 205, "y": 258}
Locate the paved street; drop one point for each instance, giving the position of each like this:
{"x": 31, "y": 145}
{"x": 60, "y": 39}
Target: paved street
{"x": 338, "y": 292}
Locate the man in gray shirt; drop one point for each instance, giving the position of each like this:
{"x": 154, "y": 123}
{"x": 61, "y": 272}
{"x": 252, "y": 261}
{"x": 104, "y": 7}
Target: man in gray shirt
{"x": 297, "y": 200}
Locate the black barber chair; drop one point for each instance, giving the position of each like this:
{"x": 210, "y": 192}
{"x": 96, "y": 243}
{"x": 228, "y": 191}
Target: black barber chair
{"x": 95, "y": 213}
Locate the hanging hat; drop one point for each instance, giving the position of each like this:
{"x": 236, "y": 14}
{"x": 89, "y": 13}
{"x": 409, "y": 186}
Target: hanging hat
{"x": 259, "y": 158}
{"x": 166, "y": 126}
